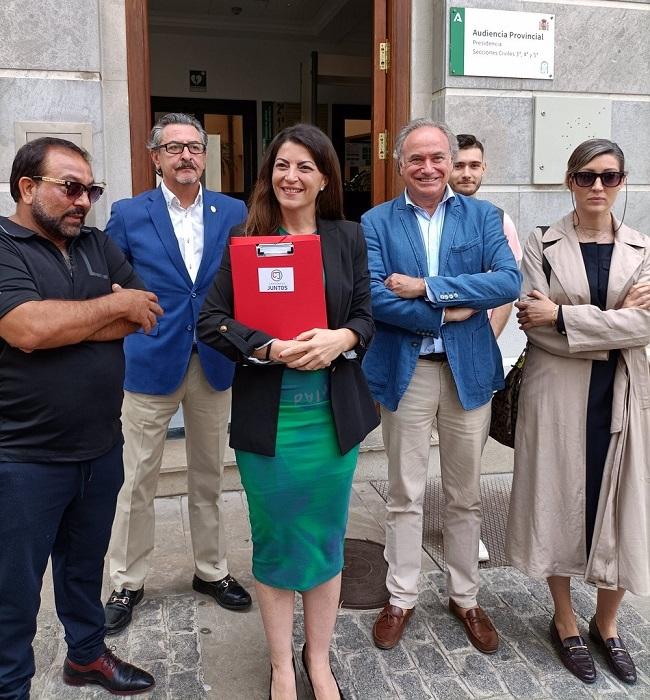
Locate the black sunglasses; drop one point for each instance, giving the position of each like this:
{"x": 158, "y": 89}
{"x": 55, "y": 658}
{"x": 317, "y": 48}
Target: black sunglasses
{"x": 73, "y": 189}
{"x": 586, "y": 178}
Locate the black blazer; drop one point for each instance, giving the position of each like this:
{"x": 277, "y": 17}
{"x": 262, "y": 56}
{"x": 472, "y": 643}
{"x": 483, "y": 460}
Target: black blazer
{"x": 256, "y": 388}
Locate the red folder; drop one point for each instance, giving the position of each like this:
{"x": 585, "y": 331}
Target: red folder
{"x": 278, "y": 283}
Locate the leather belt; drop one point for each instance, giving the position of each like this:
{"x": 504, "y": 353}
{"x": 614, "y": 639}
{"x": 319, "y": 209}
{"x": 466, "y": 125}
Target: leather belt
{"x": 434, "y": 357}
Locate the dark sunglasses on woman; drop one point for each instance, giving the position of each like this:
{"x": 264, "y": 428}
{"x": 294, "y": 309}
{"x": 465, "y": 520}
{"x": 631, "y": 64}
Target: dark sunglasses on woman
{"x": 587, "y": 178}
{"x": 73, "y": 189}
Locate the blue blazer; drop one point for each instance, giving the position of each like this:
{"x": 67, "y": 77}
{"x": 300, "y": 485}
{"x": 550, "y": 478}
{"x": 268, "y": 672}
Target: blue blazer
{"x": 156, "y": 363}
{"x": 476, "y": 269}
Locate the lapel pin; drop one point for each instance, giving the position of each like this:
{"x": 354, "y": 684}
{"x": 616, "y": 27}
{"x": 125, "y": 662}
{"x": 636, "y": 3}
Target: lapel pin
{"x": 213, "y": 209}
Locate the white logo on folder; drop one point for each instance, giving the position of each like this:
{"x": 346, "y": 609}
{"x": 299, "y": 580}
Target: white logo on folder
{"x": 275, "y": 279}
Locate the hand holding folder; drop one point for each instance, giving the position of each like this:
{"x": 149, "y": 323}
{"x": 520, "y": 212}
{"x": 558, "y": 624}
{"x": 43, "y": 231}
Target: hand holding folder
{"x": 278, "y": 283}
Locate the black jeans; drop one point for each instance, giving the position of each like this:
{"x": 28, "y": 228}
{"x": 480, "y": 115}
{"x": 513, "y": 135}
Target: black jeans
{"x": 64, "y": 510}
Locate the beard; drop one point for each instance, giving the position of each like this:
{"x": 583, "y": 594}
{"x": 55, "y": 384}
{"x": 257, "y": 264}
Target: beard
{"x": 54, "y": 226}
{"x": 186, "y": 178}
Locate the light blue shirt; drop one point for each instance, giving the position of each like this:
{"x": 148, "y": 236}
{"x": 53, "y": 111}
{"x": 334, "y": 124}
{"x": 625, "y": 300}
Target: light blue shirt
{"x": 431, "y": 232}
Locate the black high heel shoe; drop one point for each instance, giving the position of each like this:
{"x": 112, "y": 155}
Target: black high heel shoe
{"x": 293, "y": 663}
{"x": 304, "y": 663}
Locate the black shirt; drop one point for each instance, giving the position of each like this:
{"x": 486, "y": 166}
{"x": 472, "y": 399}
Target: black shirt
{"x": 62, "y": 404}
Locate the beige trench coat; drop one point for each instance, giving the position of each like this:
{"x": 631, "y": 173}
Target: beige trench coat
{"x": 546, "y": 527}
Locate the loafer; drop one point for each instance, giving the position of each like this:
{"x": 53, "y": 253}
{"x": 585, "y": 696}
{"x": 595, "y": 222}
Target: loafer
{"x": 575, "y": 655}
{"x": 226, "y": 591}
{"x": 119, "y": 609}
{"x": 117, "y": 676}
{"x": 311, "y": 685}
{"x": 617, "y": 655}
{"x": 390, "y": 625}
{"x": 478, "y": 627}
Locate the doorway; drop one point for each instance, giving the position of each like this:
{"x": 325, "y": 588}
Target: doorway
{"x": 264, "y": 62}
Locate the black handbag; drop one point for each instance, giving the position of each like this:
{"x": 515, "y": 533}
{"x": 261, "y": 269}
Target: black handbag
{"x": 505, "y": 405}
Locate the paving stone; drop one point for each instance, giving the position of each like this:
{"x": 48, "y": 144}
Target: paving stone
{"x": 487, "y": 599}
{"x": 505, "y": 653}
{"x": 641, "y": 632}
{"x": 564, "y": 685}
{"x": 367, "y": 677}
{"x": 508, "y": 624}
{"x": 151, "y": 644}
{"x": 148, "y": 614}
{"x": 349, "y": 634}
{"x": 521, "y": 601}
{"x": 395, "y": 659}
{"x": 540, "y": 625}
{"x": 430, "y": 662}
{"x": 429, "y": 605}
{"x": 181, "y": 613}
{"x": 628, "y": 617}
{"x": 409, "y": 686}
{"x": 419, "y": 627}
{"x": 449, "y": 689}
{"x": 186, "y": 685}
{"x": 184, "y": 650}
{"x": 479, "y": 675}
{"x": 521, "y": 682}
{"x": 539, "y": 590}
{"x": 583, "y": 604}
{"x": 540, "y": 657}
{"x": 158, "y": 670}
{"x": 450, "y": 633}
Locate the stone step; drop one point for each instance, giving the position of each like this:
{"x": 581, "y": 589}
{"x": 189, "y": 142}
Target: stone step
{"x": 372, "y": 464}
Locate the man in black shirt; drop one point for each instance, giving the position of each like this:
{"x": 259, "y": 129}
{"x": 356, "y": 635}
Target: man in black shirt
{"x": 67, "y": 298}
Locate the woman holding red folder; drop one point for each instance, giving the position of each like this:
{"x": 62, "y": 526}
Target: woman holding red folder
{"x": 300, "y": 407}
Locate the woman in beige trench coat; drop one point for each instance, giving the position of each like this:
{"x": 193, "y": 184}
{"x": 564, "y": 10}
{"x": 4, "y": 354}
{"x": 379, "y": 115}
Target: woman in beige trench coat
{"x": 580, "y": 503}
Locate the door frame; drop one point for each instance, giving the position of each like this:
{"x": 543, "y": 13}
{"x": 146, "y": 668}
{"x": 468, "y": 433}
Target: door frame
{"x": 199, "y": 106}
{"x": 391, "y": 92}
{"x": 390, "y": 101}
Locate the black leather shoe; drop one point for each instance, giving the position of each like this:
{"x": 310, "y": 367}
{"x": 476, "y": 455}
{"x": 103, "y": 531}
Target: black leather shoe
{"x": 227, "y": 592}
{"x": 304, "y": 663}
{"x": 618, "y": 658}
{"x": 119, "y": 609}
{"x": 117, "y": 676}
{"x": 575, "y": 655}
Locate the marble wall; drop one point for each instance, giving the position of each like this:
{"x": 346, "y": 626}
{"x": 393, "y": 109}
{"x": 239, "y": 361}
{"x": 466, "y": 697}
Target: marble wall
{"x": 500, "y": 111}
{"x": 65, "y": 61}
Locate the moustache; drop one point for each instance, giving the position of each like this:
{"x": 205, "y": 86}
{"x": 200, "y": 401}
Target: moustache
{"x": 76, "y": 211}
{"x": 186, "y": 164}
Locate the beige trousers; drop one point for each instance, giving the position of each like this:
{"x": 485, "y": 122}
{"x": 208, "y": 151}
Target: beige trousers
{"x": 145, "y": 419}
{"x": 432, "y": 394}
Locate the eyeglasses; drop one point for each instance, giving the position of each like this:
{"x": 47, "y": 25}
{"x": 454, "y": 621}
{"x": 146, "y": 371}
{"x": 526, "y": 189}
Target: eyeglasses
{"x": 586, "y": 178}
{"x": 74, "y": 189}
{"x": 176, "y": 148}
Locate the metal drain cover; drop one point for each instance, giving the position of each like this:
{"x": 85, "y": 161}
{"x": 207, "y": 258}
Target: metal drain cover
{"x": 363, "y": 583}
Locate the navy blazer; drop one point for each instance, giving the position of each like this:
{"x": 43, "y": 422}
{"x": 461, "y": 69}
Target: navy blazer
{"x": 156, "y": 362}
{"x": 476, "y": 269}
{"x": 256, "y": 389}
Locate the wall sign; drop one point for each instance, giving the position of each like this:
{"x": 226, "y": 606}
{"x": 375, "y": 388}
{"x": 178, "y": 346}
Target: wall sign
{"x": 502, "y": 44}
{"x": 198, "y": 81}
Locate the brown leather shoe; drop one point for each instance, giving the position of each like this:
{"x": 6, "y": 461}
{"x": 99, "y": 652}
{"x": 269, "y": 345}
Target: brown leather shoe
{"x": 389, "y": 626}
{"x": 478, "y": 627}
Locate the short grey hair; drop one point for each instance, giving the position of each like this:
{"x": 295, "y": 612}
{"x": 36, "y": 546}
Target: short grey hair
{"x": 418, "y": 124}
{"x": 174, "y": 118}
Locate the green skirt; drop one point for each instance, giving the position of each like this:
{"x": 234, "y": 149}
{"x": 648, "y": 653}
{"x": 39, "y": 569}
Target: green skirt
{"x": 298, "y": 500}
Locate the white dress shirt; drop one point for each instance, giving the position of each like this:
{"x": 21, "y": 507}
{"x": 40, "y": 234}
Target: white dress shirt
{"x": 188, "y": 227}
{"x": 431, "y": 232}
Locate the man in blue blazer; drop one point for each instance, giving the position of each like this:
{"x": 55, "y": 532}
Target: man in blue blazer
{"x": 174, "y": 237}
{"x": 438, "y": 261}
